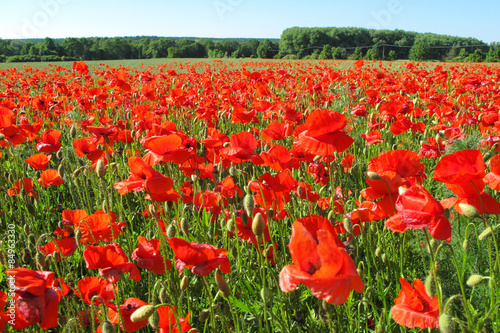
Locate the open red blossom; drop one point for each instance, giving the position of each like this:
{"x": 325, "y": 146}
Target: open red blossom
{"x": 124, "y": 312}
{"x": 149, "y": 256}
{"x": 65, "y": 247}
{"x": 323, "y": 135}
{"x": 228, "y": 189}
{"x": 417, "y": 209}
{"x": 25, "y": 184}
{"x": 50, "y": 177}
{"x": 100, "y": 226}
{"x": 38, "y": 161}
{"x": 463, "y": 173}
{"x": 85, "y": 147}
{"x": 4, "y": 318}
{"x": 50, "y": 141}
{"x": 168, "y": 322}
{"x": 201, "y": 258}
{"x": 414, "y": 308}
{"x": 91, "y": 286}
{"x": 320, "y": 262}
{"x": 36, "y": 300}
{"x": 372, "y": 137}
{"x": 112, "y": 261}
{"x": 241, "y": 149}
{"x": 493, "y": 178}
{"x": 461, "y": 167}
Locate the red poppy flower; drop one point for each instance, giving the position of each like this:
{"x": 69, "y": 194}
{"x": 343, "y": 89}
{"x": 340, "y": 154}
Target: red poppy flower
{"x": 91, "y": 286}
{"x": 168, "y": 322}
{"x": 463, "y": 173}
{"x": 323, "y": 135}
{"x": 417, "y": 209}
{"x": 50, "y": 177}
{"x": 372, "y": 138}
{"x": 493, "y": 178}
{"x": 396, "y": 168}
{"x": 23, "y": 183}
{"x": 35, "y": 299}
{"x": 241, "y": 149}
{"x": 367, "y": 211}
{"x": 277, "y": 131}
{"x": 65, "y": 247}
{"x": 201, "y": 258}
{"x": 432, "y": 149}
{"x": 228, "y": 189}
{"x": 320, "y": 262}
{"x": 461, "y": 167}
{"x": 99, "y": 226}
{"x": 38, "y": 161}
{"x": 149, "y": 256}
{"x": 112, "y": 261}
{"x": 4, "y": 317}
{"x": 85, "y": 147}
{"x": 124, "y": 312}
{"x": 414, "y": 308}
{"x": 50, "y": 141}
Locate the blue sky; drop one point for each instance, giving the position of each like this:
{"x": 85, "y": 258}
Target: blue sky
{"x": 241, "y": 18}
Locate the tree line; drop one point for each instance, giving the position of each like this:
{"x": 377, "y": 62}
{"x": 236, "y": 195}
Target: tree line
{"x": 295, "y": 43}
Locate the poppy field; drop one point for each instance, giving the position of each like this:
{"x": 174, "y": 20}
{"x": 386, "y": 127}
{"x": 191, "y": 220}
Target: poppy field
{"x": 280, "y": 196}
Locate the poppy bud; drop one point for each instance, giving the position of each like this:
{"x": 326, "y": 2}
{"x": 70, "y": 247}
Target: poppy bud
{"x": 469, "y": 211}
{"x": 31, "y": 210}
{"x": 185, "y": 226}
{"x": 330, "y": 215}
{"x": 72, "y": 131}
{"x": 25, "y": 256}
{"x": 100, "y": 168}
{"x": 2, "y": 137}
{"x": 485, "y": 234}
{"x": 77, "y": 172}
{"x": 348, "y": 225}
{"x": 474, "y": 280}
{"x": 372, "y": 175}
{"x": 465, "y": 245}
{"x": 107, "y": 327}
{"x": 154, "y": 320}
{"x": 171, "y": 231}
{"x": 402, "y": 190}
{"x": 26, "y": 229}
{"x": 163, "y": 294}
{"x": 78, "y": 236}
{"x": 384, "y": 257}
{"x": 317, "y": 158}
{"x": 60, "y": 169}
{"x": 184, "y": 282}
{"x": 300, "y": 191}
{"x": 204, "y": 315}
{"x": 231, "y": 226}
{"x": 41, "y": 260}
{"x": 56, "y": 256}
{"x": 59, "y": 154}
{"x": 222, "y": 285}
{"x": 244, "y": 219}
{"x": 142, "y": 313}
{"x": 258, "y": 225}
{"x": 445, "y": 323}
{"x": 378, "y": 251}
{"x": 248, "y": 204}
{"x": 430, "y": 286}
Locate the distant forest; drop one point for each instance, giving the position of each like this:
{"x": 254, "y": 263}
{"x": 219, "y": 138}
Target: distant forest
{"x": 295, "y": 43}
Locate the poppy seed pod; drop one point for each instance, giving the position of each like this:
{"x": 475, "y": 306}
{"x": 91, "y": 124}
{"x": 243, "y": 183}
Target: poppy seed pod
{"x": 248, "y": 204}
{"x": 142, "y": 313}
{"x": 100, "y": 169}
{"x": 258, "y": 225}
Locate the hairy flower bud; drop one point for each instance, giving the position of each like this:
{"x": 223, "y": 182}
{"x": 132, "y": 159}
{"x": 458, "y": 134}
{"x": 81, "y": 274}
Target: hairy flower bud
{"x": 248, "y": 204}
{"x": 258, "y": 225}
{"x": 222, "y": 285}
{"x": 142, "y": 313}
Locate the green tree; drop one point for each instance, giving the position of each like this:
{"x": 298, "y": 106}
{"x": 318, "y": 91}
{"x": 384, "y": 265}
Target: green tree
{"x": 373, "y": 53}
{"x": 420, "y": 51}
{"x": 267, "y": 49}
{"x": 477, "y": 56}
{"x": 357, "y": 54}
{"x": 326, "y": 53}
